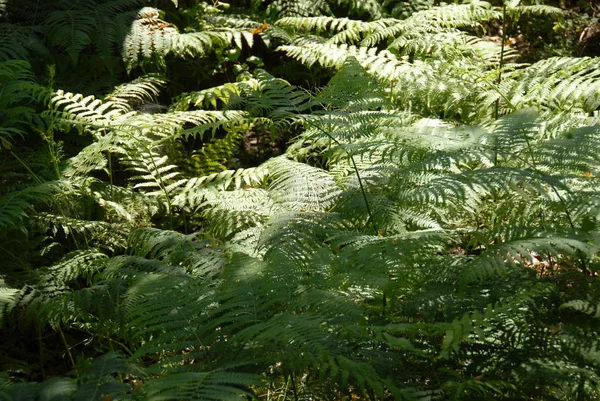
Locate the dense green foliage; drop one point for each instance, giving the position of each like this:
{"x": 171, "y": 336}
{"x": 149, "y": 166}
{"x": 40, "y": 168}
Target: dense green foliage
{"x": 298, "y": 200}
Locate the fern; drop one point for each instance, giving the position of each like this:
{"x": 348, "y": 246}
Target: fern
{"x": 134, "y": 95}
{"x": 18, "y": 43}
{"x": 431, "y": 232}
{"x": 16, "y": 92}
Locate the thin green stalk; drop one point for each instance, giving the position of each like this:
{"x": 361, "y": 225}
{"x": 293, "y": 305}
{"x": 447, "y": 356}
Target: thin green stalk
{"x": 110, "y": 173}
{"x": 501, "y": 65}
{"x": 294, "y": 388}
{"x": 64, "y": 340}
{"x": 41, "y": 351}
{"x": 16, "y": 258}
{"x": 41, "y": 182}
{"x": 360, "y": 183}
{"x": 364, "y": 194}
{"x": 26, "y": 167}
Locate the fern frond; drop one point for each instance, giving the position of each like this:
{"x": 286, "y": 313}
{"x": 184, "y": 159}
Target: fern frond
{"x": 152, "y": 38}
{"x": 198, "y": 257}
{"x": 147, "y": 36}
{"x": 318, "y": 24}
{"x": 435, "y": 19}
{"x": 99, "y": 382}
{"x": 15, "y": 205}
{"x": 297, "y": 186}
{"x": 382, "y": 64}
{"x": 72, "y": 29}
{"x": 208, "y": 97}
{"x": 17, "y": 87}
{"x": 99, "y": 233}
{"x": 86, "y": 109}
{"x": 535, "y": 9}
{"x": 230, "y": 179}
{"x": 303, "y": 8}
{"x": 216, "y": 386}
{"x": 132, "y": 95}
{"x": 154, "y": 173}
{"x": 516, "y": 253}
{"x": 589, "y": 308}
{"x": 556, "y": 84}
{"x": 169, "y": 126}
{"x": 8, "y": 300}
{"x": 457, "y": 15}
{"x": 230, "y": 212}
{"x": 79, "y": 265}
{"x": 18, "y": 42}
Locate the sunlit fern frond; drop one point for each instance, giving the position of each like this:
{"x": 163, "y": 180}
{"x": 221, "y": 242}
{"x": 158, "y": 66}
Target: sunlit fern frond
{"x": 230, "y": 212}
{"x": 558, "y": 84}
{"x": 457, "y": 15}
{"x": 134, "y": 94}
{"x": 303, "y": 8}
{"x": 165, "y": 127}
{"x": 153, "y": 172}
{"x": 382, "y": 64}
{"x": 517, "y": 9}
{"x": 148, "y": 35}
{"x": 261, "y": 96}
{"x": 228, "y": 179}
{"x": 104, "y": 235}
{"x": 435, "y": 19}
{"x": 83, "y": 111}
{"x": 151, "y": 38}
{"x": 87, "y": 111}
{"x": 513, "y": 132}
{"x": 298, "y": 186}
{"x": 574, "y": 152}
{"x": 272, "y": 100}
{"x": 322, "y": 24}
{"x": 211, "y": 97}
{"x": 451, "y": 44}
{"x": 352, "y": 89}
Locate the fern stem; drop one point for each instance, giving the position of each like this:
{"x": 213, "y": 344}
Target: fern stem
{"x": 110, "y": 173}
{"x": 16, "y": 258}
{"x": 294, "y": 388}
{"x": 364, "y": 195}
{"x": 27, "y": 167}
{"x": 501, "y": 65}
{"x": 502, "y": 95}
{"x": 39, "y": 180}
{"x": 360, "y": 183}
{"x": 64, "y": 340}
{"x": 41, "y": 351}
